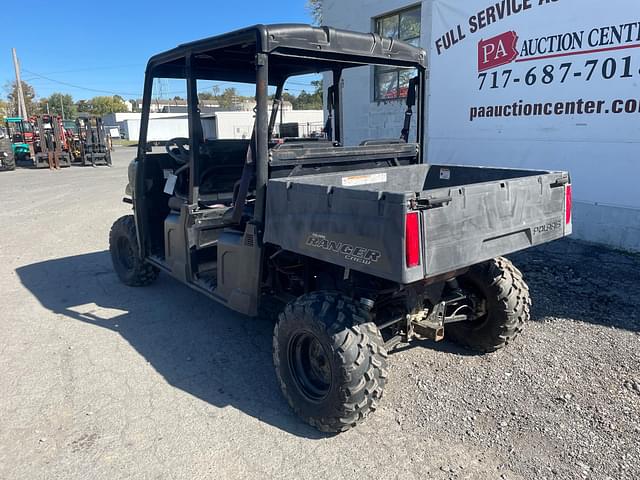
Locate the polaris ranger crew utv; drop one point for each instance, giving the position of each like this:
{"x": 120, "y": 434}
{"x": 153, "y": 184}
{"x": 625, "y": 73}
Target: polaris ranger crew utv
{"x": 359, "y": 247}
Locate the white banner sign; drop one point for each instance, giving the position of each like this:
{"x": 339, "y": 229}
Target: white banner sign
{"x": 529, "y": 77}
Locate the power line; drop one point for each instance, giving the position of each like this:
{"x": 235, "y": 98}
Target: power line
{"x": 80, "y": 87}
{"x": 138, "y": 94}
{"x": 89, "y": 69}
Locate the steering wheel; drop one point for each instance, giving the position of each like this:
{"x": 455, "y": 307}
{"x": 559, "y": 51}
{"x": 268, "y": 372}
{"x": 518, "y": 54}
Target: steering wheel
{"x": 181, "y": 156}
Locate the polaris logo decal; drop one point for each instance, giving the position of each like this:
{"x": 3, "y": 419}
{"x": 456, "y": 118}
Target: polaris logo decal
{"x": 353, "y": 253}
{"x": 548, "y": 228}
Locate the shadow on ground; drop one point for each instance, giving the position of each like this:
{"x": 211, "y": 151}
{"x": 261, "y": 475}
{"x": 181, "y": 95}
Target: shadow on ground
{"x": 224, "y": 358}
{"x": 584, "y": 282}
{"x": 197, "y": 345}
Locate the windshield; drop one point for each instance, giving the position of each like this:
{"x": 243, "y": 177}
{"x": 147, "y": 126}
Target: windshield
{"x": 19, "y": 127}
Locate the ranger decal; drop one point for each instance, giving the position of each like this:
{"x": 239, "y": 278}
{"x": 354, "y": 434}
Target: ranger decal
{"x": 350, "y": 252}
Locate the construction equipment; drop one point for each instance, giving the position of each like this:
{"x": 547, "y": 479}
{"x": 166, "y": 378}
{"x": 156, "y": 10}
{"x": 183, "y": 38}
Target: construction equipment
{"x": 73, "y": 137}
{"x": 50, "y": 142}
{"x": 20, "y": 134}
{"x": 93, "y": 145}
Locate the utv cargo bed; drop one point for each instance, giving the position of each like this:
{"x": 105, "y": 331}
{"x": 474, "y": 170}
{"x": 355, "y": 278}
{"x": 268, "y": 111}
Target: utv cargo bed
{"x": 449, "y": 217}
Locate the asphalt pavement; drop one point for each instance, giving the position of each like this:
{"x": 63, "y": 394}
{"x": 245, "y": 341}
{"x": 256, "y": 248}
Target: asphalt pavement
{"x": 102, "y": 381}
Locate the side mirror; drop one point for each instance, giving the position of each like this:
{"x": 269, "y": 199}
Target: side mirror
{"x": 148, "y": 148}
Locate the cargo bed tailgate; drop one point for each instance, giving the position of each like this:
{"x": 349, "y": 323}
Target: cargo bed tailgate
{"x": 481, "y": 221}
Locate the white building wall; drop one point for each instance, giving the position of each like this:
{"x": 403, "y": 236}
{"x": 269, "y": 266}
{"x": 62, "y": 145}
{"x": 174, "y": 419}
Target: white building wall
{"x": 601, "y": 152}
{"x": 364, "y": 118}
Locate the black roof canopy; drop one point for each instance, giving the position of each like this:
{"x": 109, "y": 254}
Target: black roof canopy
{"x": 295, "y": 49}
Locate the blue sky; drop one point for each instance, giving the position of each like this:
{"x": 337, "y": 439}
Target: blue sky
{"x": 110, "y": 55}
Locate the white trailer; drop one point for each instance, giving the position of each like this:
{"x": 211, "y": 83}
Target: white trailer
{"x": 232, "y": 125}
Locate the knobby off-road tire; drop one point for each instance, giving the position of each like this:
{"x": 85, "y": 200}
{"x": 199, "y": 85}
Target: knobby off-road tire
{"x": 8, "y": 162}
{"x": 330, "y": 360}
{"x": 507, "y": 302}
{"x": 123, "y": 245}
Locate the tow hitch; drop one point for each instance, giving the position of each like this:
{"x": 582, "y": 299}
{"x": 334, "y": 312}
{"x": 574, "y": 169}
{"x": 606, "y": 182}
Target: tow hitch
{"x": 430, "y": 323}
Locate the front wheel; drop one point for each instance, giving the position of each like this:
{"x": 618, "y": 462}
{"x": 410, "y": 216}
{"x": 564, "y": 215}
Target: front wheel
{"x": 507, "y": 305}
{"x": 9, "y": 162}
{"x": 7, "y": 158}
{"x": 330, "y": 360}
{"x": 123, "y": 246}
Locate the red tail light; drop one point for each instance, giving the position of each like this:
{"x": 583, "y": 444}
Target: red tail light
{"x": 412, "y": 236}
{"x": 567, "y": 203}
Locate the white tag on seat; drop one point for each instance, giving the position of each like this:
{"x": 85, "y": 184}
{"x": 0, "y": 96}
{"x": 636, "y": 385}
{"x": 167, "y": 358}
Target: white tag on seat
{"x": 170, "y": 184}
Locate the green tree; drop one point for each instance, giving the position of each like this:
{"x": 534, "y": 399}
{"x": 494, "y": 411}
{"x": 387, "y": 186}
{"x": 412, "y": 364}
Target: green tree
{"x": 309, "y": 101}
{"x": 57, "y": 103}
{"x": 315, "y": 9}
{"x": 104, "y": 105}
{"x": 29, "y": 97}
{"x": 4, "y": 111}
{"x": 229, "y": 98}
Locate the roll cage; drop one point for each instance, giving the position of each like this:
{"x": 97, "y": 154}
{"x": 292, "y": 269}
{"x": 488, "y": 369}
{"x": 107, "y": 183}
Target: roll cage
{"x": 267, "y": 55}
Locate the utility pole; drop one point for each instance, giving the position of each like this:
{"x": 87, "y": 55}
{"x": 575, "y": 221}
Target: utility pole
{"x": 22, "y": 108}
{"x": 61, "y": 107}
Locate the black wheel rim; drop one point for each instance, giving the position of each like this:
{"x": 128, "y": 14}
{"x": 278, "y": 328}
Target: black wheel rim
{"x": 310, "y": 366}
{"x": 126, "y": 255}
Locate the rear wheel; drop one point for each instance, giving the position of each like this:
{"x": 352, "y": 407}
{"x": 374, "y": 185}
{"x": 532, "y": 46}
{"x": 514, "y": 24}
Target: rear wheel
{"x": 123, "y": 246}
{"x": 330, "y": 360}
{"x": 507, "y": 304}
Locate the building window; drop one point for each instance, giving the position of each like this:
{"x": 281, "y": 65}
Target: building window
{"x": 392, "y": 83}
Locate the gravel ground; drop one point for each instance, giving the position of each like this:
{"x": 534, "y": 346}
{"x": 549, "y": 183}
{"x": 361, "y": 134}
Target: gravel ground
{"x": 563, "y": 400}
{"x": 103, "y": 381}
